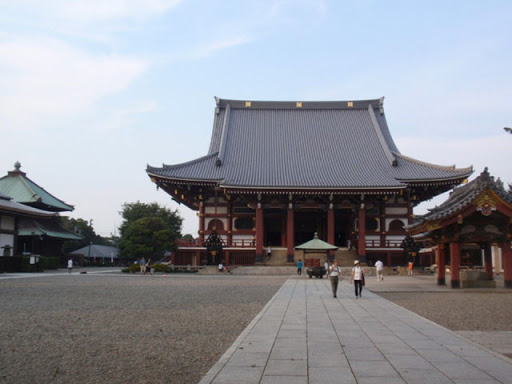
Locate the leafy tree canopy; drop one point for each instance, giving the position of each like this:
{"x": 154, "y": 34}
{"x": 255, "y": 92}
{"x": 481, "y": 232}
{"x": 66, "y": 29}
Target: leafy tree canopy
{"x": 148, "y": 230}
{"x": 83, "y": 228}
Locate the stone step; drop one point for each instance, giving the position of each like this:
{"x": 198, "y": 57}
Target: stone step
{"x": 265, "y": 270}
{"x": 344, "y": 256}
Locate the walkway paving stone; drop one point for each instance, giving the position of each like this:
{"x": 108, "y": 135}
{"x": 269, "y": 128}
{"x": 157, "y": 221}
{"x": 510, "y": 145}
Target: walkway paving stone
{"x": 304, "y": 335}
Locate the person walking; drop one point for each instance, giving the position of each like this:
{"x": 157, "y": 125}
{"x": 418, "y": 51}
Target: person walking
{"x": 410, "y": 268}
{"x": 299, "y": 267}
{"x": 357, "y": 278}
{"x": 335, "y": 276}
{"x": 379, "y": 266}
{"x": 70, "y": 265}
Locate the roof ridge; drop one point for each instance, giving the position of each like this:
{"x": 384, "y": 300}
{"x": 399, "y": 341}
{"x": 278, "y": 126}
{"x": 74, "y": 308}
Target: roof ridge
{"x": 300, "y": 104}
{"x": 223, "y": 137}
{"x": 382, "y": 140}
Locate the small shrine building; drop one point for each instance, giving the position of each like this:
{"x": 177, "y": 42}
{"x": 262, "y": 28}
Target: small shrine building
{"x": 276, "y": 172}
{"x": 37, "y": 231}
{"x": 474, "y": 219}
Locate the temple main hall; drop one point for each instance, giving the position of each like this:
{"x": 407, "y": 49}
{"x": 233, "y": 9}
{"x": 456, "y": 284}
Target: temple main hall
{"x": 277, "y": 172}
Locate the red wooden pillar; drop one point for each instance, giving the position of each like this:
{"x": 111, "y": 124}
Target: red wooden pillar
{"x": 201, "y": 223}
{"x": 389, "y": 260}
{"x": 455, "y": 264}
{"x": 290, "y": 233}
{"x": 506, "y": 255}
{"x": 441, "y": 264}
{"x": 229, "y": 229}
{"x": 230, "y": 224}
{"x": 259, "y": 233}
{"x": 361, "y": 226}
{"x": 488, "y": 261}
{"x": 330, "y": 228}
{"x": 283, "y": 229}
{"x": 382, "y": 225}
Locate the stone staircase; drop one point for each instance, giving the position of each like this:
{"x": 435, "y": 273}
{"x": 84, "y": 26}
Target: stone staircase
{"x": 279, "y": 257}
{"x": 265, "y": 270}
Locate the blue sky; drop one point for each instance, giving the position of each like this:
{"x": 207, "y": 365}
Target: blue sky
{"x": 93, "y": 91}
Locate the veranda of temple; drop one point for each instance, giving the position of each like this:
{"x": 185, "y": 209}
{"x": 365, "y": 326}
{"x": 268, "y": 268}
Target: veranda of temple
{"x": 276, "y": 172}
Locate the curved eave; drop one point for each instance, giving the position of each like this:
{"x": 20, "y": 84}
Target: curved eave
{"x": 182, "y": 180}
{"x": 435, "y": 166}
{"x": 439, "y": 181}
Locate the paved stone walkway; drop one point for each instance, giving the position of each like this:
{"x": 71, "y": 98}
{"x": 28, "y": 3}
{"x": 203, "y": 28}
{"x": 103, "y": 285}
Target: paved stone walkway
{"x": 304, "y": 335}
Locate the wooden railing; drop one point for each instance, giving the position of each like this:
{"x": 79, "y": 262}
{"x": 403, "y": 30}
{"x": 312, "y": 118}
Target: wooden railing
{"x": 186, "y": 243}
{"x": 387, "y": 244}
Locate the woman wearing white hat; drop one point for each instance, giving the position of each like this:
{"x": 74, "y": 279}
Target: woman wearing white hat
{"x": 358, "y": 278}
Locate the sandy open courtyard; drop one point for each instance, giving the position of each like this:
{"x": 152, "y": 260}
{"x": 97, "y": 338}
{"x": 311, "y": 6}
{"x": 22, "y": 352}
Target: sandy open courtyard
{"x": 119, "y": 328}
{"x": 123, "y": 328}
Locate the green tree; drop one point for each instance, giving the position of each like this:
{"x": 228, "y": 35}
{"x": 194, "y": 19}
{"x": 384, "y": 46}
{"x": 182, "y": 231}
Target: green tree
{"x": 148, "y": 230}
{"x": 83, "y": 228}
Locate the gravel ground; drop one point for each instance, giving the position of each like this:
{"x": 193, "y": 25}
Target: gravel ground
{"x": 123, "y": 328}
{"x": 460, "y": 310}
{"x": 142, "y": 329}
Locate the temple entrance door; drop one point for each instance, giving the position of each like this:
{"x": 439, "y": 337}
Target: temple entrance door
{"x": 214, "y": 246}
{"x": 273, "y": 227}
{"x": 214, "y": 257}
{"x": 306, "y": 224}
{"x": 343, "y": 227}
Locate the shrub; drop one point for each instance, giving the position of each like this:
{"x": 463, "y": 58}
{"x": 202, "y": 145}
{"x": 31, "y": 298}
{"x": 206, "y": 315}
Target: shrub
{"x": 11, "y": 264}
{"x": 133, "y": 268}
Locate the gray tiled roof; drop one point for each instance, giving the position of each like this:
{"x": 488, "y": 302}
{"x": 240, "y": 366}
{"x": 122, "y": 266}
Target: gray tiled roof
{"x": 463, "y": 196}
{"x": 316, "y": 145}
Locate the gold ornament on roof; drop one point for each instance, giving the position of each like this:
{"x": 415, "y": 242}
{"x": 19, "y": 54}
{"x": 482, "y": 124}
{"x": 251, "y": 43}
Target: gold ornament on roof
{"x": 485, "y": 204}
{"x": 432, "y": 226}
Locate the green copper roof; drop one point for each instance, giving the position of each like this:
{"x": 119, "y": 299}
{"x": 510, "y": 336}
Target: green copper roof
{"x": 28, "y": 227}
{"x": 23, "y": 190}
{"x": 316, "y": 245}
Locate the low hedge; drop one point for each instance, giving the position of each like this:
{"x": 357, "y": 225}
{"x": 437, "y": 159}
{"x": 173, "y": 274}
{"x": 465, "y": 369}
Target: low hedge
{"x": 11, "y": 264}
{"x": 14, "y": 264}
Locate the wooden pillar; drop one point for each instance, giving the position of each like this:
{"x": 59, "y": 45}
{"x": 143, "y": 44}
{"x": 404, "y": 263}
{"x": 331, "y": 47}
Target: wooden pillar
{"x": 506, "y": 255}
{"x": 455, "y": 264}
{"x": 496, "y": 257}
{"x": 226, "y": 258}
{"x": 382, "y": 224}
{"x": 389, "y": 259}
{"x": 201, "y": 223}
{"x": 283, "y": 228}
{"x": 230, "y": 225}
{"x": 488, "y": 261}
{"x": 290, "y": 233}
{"x": 441, "y": 264}
{"x": 361, "y": 226}
{"x": 259, "y": 232}
{"x": 330, "y": 228}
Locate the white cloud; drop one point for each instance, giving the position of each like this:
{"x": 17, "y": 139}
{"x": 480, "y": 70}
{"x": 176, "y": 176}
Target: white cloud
{"x": 47, "y": 78}
{"x": 220, "y": 45}
{"x": 93, "y": 11}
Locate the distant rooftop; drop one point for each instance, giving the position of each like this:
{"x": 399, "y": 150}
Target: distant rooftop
{"x": 23, "y": 190}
